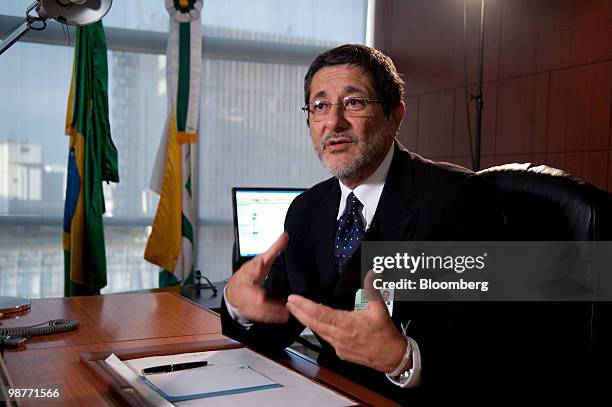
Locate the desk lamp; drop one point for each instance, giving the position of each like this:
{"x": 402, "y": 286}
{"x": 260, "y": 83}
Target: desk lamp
{"x": 69, "y": 12}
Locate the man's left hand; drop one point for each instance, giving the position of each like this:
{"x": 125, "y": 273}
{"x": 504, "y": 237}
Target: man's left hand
{"x": 367, "y": 337}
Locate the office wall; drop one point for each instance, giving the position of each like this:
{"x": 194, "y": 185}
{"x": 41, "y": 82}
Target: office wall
{"x": 547, "y": 80}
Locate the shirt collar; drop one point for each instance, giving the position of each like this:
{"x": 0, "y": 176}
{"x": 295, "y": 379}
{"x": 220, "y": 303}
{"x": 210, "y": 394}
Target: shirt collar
{"x": 369, "y": 191}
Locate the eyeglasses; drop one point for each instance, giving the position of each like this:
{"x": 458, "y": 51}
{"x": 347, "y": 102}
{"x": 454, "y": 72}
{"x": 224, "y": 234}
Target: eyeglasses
{"x": 352, "y": 107}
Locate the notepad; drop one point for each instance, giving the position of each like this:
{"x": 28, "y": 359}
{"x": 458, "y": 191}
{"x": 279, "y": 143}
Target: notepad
{"x": 209, "y": 381}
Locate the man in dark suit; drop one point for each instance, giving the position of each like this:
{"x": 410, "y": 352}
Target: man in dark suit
{"x": 379, "y": 192}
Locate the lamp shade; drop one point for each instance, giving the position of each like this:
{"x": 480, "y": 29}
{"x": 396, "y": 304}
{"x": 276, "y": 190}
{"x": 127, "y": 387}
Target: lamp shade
{"x": 74, "y": 12}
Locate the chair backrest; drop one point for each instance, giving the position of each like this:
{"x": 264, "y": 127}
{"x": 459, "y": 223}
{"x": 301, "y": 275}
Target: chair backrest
{"x": 544, "y": 203}
{"x": 547, "y": 204}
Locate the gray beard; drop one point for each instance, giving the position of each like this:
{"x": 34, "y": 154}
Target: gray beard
{"x": 359, "y": 164}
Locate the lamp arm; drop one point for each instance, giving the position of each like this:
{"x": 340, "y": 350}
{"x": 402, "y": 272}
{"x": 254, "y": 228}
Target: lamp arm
{"x": 12, "y": 36}
{"x": 26, "y": 25}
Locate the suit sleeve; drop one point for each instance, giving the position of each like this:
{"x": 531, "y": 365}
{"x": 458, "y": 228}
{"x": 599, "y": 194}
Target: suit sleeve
{"x": 278, "y": 285}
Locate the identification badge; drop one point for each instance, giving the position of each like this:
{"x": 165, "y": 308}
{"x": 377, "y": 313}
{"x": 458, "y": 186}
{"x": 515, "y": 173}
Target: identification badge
{"x": 361, "y": 300}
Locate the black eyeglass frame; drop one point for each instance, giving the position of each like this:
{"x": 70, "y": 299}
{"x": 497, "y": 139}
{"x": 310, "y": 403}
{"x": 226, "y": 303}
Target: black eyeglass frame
{"x": 309, "y": 108}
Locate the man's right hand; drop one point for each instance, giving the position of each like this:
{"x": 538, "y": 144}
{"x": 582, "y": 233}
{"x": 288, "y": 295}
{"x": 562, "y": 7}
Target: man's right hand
{"x": 244, "y": 290}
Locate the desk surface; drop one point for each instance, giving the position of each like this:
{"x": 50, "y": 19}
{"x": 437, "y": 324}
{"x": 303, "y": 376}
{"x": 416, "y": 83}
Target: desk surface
{"x": 205, "y": 297}
{"x": 114, "y": 322}
{"x": 118, "y": 317}
{"x": 107, "y": 322}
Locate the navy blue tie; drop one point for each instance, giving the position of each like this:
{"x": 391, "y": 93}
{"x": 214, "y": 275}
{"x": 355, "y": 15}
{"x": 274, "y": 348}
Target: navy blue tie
{"x": 350, "y": 231}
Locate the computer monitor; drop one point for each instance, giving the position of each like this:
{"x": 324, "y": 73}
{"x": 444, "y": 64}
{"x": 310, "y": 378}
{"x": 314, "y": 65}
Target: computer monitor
{"x": 259, "y": 218}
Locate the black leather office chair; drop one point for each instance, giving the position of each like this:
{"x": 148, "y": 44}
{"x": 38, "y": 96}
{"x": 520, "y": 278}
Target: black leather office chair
{"x": 544, "y": 203}
{"x": 547, "y": 204}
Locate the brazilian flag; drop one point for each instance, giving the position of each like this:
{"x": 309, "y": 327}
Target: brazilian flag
{"x": 92, "y": 159}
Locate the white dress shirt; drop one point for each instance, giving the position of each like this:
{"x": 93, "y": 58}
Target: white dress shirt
{"x": 368, "y": 193}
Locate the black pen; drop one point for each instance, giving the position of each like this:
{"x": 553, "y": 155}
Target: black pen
{"x": 174, "y": 367}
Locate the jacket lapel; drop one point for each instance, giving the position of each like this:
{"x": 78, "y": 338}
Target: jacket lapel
{"x": 394, "y": 214}
{"x": 323, "y": 229}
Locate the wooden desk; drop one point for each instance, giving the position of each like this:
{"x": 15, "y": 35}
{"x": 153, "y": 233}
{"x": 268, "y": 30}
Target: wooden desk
{"x": 116, "y": 322}
{"x": 107, "y": 322}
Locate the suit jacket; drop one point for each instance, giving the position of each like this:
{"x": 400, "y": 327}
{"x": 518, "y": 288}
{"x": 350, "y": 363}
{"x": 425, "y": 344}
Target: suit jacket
{"x": 469, "y": 350}
{"x": 421, "y": 200}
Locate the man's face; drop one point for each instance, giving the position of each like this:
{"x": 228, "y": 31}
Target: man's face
{"x": 350, "y": 147}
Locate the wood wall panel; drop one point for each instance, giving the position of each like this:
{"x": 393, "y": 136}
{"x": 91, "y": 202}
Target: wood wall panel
{"x": 409, "y": 129}
{"x": 591, "y": 166}
{"x": 461, "y": 143}
{"x": 548, "y": 64}
{"x": 464, "y": 161}
{"x": 536, "y": 159}
{"x": 542, "y": 35}
{"x": 429, "y": 51}
{"x": 521, "y": 115}
{"x": 487, "y": 161}
{"x": 580, "y": 106}
{"x": 436, "y": 124}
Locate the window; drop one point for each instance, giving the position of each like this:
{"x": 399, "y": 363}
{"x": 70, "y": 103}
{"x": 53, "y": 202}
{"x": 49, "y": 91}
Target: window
{"x": 252, "y": 132}
{"x": 33, "y": 151}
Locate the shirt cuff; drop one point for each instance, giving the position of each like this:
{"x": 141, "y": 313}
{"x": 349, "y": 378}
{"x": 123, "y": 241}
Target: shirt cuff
{"x": 234, "y": 313}
{"x": 412, "y": 377}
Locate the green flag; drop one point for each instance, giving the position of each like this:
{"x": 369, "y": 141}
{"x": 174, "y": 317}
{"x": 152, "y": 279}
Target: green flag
{"x": 92, "y": 158}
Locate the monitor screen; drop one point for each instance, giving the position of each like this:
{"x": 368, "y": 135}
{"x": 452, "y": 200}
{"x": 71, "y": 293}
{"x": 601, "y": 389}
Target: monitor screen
{"x": 259, "y": 217}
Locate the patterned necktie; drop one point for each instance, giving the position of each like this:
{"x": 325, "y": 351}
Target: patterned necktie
{"x": 350, "y": 231}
